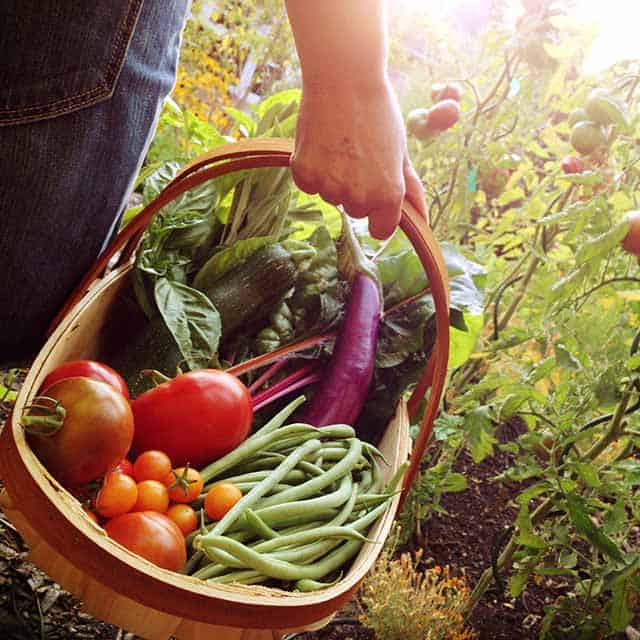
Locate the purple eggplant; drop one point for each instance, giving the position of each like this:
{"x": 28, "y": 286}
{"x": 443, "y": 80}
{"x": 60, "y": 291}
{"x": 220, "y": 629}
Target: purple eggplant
{"x": 343, "y": 387}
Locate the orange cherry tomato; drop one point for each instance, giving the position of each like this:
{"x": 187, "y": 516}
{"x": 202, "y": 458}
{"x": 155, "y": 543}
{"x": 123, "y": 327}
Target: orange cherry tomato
{"x": 151, "y": 465}
{"x": 117, "y": 495}
{"x": 152, "y": 496}
{"x": 185, "y": 484}
{"x": 91, "y": 515}
{"x": 220, "y": 498}
{"x": 184, "y": 516}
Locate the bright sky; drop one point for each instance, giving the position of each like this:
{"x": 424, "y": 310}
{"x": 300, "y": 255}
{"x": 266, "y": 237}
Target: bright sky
{"x": 618, "y": 35}
{"x": 617, "y": 22}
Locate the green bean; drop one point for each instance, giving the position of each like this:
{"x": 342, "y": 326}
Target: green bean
{"x": 281, "y": 569}
{"x": 313, "y": 486}
{"x": 240, "y": 577}
{"x": 257, "y": 524}
{"x": 263, "y": 487}
{"x": 306, "y": 584}
{"x": 309, "y": 468}
{"x": 367, "y": 499}
{"x": 373, "y": 451}
{"x": 293, "y": 477}
{"x": 263, "y": 462}
{"x": 252, "y": 445}
{"x": 192, "y": 562}
{"x": 245, "y": 487}
{"x": 378, "y": 481}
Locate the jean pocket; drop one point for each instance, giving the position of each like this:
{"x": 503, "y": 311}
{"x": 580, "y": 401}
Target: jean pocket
{"x": 60, "y": 55}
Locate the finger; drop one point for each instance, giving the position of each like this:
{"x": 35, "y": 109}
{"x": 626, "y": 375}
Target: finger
{"x": 414, "y": 191}
{"x": 303, "y": 177}
{"x": 384, "y": 218}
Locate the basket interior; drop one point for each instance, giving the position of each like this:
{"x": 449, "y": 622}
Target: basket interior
{"x": 101, "y": 317}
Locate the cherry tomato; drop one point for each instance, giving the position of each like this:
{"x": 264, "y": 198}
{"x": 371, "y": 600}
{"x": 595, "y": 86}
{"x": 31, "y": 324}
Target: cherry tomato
{"x": 152, "y": 496}
{"x": 572, "y": 164}
{"x": 93, "y": 433}
{"x": 185, "y": 484}
{"x": 417, "y": 123}
{"x": 443, "y": 115}
{"x": 151, "y": 465}
{"x": 195, "y": 418}
{"x": 91, "y": 515}
{"x": 87, "y": 369}
{"x": 220, "y": 498}
{"x": 446, "y": 91}
{"x": 125, "y": 466}
{"x": 184, "y": 516}
{"x": 117, "y": 495}
{"x": 151, "y": 535}
{"x": 631, "y": 242}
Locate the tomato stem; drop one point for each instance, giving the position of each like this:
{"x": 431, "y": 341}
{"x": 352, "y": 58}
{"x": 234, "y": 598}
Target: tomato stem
{"x": 157, "y": 377}
{"x": 49, "y": 419}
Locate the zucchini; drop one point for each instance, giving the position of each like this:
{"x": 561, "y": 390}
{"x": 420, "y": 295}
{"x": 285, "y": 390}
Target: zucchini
{"x": 246, "y": 295}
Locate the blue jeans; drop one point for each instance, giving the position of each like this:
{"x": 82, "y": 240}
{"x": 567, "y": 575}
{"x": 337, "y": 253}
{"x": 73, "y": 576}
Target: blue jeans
{"x": 81, "y": 88}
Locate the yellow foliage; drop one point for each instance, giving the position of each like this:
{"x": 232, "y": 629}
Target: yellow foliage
{"x": 402, "y": 602}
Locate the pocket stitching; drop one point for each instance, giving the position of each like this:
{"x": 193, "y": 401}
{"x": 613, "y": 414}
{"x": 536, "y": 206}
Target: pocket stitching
{"x": 92, "y": 96}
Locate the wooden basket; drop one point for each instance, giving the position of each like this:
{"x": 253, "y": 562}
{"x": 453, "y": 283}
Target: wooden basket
{"x": 123, "y": 588}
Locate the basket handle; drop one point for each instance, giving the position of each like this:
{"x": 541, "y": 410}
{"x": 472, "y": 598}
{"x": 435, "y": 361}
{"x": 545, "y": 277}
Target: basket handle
{"x": 271, "y": 152}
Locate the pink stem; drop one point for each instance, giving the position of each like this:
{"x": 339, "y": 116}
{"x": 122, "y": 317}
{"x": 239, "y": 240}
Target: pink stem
{"x": 272, "y": 370}
{"x": 300, "y": 378}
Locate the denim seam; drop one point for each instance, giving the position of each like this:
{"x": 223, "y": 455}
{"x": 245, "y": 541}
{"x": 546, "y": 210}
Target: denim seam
{"x": 92, "y": 96}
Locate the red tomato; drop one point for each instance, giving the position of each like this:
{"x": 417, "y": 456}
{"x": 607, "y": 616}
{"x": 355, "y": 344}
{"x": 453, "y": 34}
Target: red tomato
{"x": 195, "y": 418}
{"x": 125, "y": 466}
{"x": 151, "y": 535}
{"x": 443, "y": 115}
{"x": 631, "y": 241}
{"x": 151, "y": 465}
{"x": 96, "y": 431}
{"x": 117, "y": 495}
{"x": 184, "y": 516}
{"x": 185, "y": 484}
{"x": 220, "y": 498}
{"x": 152, "y": 496}
{"x": 446, "y": 91}
{"x": 572, "y": 164}
{"x": 87, "y": 369}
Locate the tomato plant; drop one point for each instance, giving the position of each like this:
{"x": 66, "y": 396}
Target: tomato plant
{"x": 80, "y": 430}
{"x": 220, "y": 498}
{"x": 86, "y": 369}
{"x": 151, "y": 535}
{"x": 117, "y": 495}
{"x": 184, "y": 516}
{"x": 184, "y": 483}
{"x": 195, "y": 418}
{"x": 151, "y": 465}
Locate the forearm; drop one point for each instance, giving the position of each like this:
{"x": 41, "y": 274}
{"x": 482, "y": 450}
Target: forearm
{"x": 340, "y": 41}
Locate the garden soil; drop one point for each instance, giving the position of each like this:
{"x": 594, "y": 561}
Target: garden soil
{"x": 32, "y": 607}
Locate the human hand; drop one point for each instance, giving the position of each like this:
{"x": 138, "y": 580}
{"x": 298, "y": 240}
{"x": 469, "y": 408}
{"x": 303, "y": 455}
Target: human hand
{"x": 351, "y": 149}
